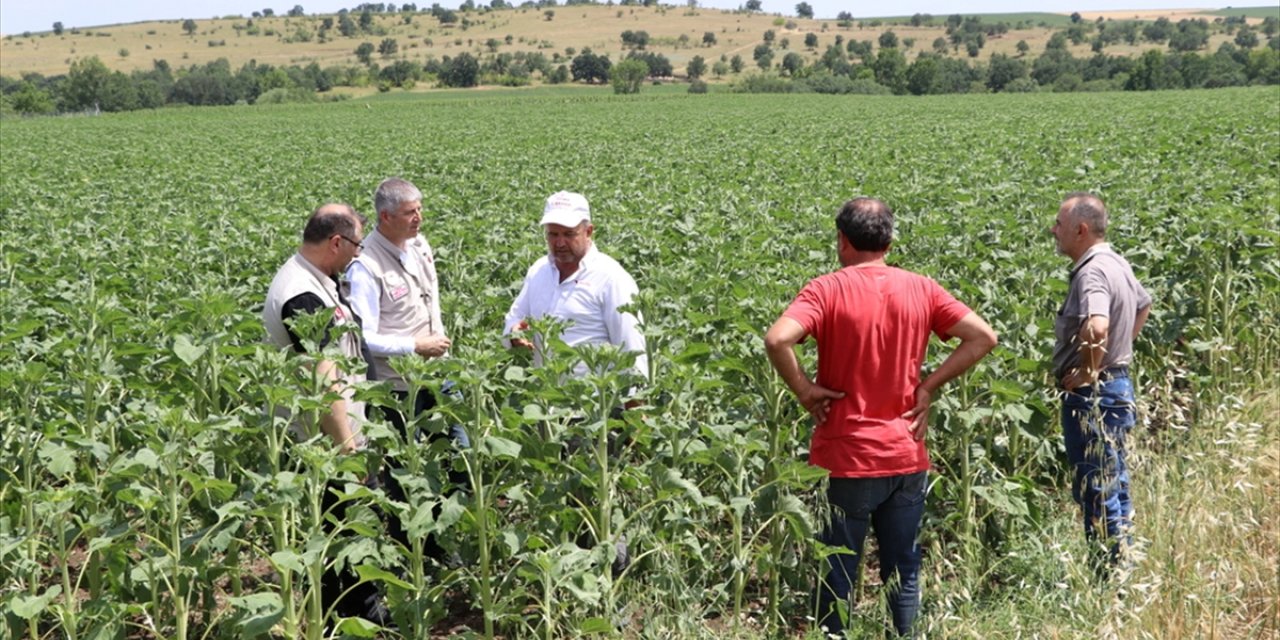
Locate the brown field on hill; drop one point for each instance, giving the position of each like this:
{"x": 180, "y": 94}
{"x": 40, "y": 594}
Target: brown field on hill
{"x": 280, "y": 39}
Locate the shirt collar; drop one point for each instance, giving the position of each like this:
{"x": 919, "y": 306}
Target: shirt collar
{"x": 1091, "y": 252}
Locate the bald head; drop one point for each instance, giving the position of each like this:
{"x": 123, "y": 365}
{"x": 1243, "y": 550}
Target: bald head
{"x": 328, "y": 220}
{"x": 1084, "y": 207}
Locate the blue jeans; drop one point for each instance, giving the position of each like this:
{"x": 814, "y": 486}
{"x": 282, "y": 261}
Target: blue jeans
{"x": 1095, "y": 422}
{"x": 894, "y": 506}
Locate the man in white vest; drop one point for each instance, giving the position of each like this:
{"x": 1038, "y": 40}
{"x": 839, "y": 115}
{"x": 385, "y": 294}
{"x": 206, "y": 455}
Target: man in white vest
{"x": 308, "y": 284}
{"x": 395, "y": 293}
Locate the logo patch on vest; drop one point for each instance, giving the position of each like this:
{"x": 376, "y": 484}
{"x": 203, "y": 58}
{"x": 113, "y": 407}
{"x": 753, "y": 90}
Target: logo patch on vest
{"x": 399, "y": 292}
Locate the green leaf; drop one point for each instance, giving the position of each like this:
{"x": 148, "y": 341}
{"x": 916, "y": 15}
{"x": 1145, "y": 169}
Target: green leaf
{"x": 501, "y": 447}
{"x": 186, "y": 351}
{"x": 370, "y": 573}
{"x": 358, "y": 627}
{"x": 58, "y": 459}
{"x": 289, "y": 560}
{"x": 28, "y": 607}
{"x": 592, "y": 626}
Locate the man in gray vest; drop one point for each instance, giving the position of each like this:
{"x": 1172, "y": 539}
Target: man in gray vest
{"x": 307, "y": 284}
{"x": 395, "y": 292}
{"x": 1105, "y": 309}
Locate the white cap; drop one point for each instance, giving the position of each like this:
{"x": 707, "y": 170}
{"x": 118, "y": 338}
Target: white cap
{"x": 566, "y": 209}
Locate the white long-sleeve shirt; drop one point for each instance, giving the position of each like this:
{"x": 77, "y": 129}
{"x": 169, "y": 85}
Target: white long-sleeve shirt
{"x": 364, "y": 298}
{"x": 588, "y": 301}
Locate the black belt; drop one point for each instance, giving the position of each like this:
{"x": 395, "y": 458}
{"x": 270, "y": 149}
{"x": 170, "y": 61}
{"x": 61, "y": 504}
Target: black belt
{"x": 1108, "y": 374}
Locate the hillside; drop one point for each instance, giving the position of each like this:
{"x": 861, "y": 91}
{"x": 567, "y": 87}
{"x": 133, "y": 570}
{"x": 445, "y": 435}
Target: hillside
{"x": 677, "y": 33}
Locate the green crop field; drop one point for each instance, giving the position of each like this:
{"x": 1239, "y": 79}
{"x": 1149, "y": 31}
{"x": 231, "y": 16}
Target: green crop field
{"x": 145, "y": 491}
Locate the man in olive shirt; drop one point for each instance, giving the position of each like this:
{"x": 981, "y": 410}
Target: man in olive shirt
{"x": 1105, "y": 309}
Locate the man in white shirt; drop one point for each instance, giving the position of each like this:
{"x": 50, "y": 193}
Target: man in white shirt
{"x": 583, "y": 287}
{"x": 395, "y": 292}
{"x": 578, "y": 284}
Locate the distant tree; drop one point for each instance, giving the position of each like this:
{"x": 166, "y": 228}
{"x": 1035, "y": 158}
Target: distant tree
{"x": 267, "y": 13}
{"x": 549, "y": 15}
{"x": 364, "y": 52}
{"x": 769, "y": 35}
{"x": 792, "y": 63}
{"x": 1190, "y": 35}
{"x": 560, "y": 75}
{"x": 1246, "y": 38}
{"x": 1152, "y": 72}
{"x": 736, "y": 64}
{"x": 57, "y": 31}
{"x": 1003, "y": 70}
{"x": 708, "y": 38}
{"x": 720, "y": 69}
{"x": 754, "y": 5}
{"x": 1023, "y": 47}
{"x": 635, "y": 39}
{"x": 922, "y": 75}
{"x": 696, "y": 68}
{"x": 590, "y": 68}
{"x": 628, "y": 76}
{"x": 888, "y": 39}
{"x": 765, "y": 61}
{"x": 1270, "y": 26}
{"x": 811, "y": 40}
{"x": 1158, "y": 31}
{"x": 804, "y": 10}
{"x": 124, "y": 53}
{"x": 461, "y": 71}
{"x": 941, "y": 47}
{"x": 31, "y": 100}
{"x": 844, "y": 16}
{"x": 297, "y": 11}
{"x": 189, "y": 26}
{"x": 85, "y": 84}
{"x": 366, "y": 20}
{"x": 346, "y": 26}
{"x": 785, "y": 43}
{"x": 388, "y": 47}
{"x": 1056, "y": 41}
{"x": 1076, "y": 17}
{"x": 890, "y": 68}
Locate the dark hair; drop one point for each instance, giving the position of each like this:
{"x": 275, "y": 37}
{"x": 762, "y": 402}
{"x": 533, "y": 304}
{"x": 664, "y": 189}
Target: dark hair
{"x": 867, "y": 223}
{"x": 1088, "y": 208}
{"x": 329, "y": 220}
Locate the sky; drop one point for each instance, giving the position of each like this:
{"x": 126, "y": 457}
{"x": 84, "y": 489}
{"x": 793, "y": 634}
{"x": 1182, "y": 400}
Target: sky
{"x": 17, "y": 16}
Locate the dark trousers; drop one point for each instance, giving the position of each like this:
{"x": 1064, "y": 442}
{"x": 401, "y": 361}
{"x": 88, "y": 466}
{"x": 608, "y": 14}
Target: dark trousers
{"x": 894, "y": 507}
{"x": 364, "y": 598}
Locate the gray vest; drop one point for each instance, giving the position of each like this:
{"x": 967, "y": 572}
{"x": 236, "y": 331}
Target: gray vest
{"x": 297, "y": 277}
{"x": 408, "y": 297}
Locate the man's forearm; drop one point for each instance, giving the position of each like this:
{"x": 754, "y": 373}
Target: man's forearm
{"x": 1093, "y": 341}
{"x": 336, "y": 423}
{"x": 967, "y": 354}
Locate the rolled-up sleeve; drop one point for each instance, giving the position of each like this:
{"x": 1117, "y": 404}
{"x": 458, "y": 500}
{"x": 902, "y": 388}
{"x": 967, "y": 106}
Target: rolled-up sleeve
{"x": 623, "y": 326}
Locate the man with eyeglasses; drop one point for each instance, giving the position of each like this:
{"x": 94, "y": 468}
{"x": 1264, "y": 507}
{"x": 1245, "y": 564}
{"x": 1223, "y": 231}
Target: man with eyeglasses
{"x": 395, "y": 292}
{"x": 308, "y": 284}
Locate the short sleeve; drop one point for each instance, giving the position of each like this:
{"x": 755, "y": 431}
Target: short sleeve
{"x": 1095, "y": 296}
{"x": 303, "y": 303}
{"x": 947, "y": 311}
{"x": 807, "y": 309}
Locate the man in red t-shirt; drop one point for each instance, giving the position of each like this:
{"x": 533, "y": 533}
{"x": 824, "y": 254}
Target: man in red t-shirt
{"x": 872, "y": 324}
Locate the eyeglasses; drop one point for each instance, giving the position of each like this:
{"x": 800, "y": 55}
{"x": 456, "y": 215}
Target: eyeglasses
{"x": 358, "y": 245}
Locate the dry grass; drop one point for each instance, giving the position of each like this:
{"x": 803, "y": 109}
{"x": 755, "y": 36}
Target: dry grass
{"x": 597, "y": 27}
